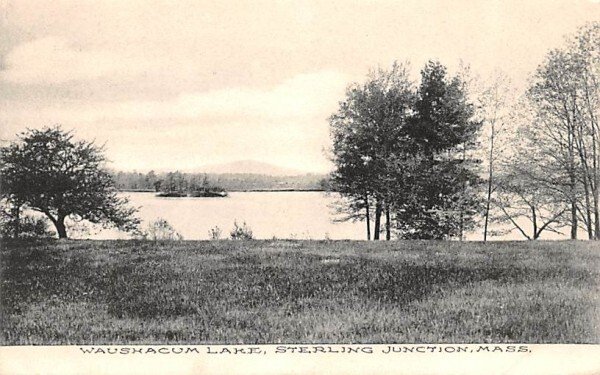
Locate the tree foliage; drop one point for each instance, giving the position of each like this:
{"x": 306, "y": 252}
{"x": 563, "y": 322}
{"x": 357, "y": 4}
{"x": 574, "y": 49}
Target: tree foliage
{"x": 49, "y": 171}
{"x": 443, "y": 131}
{"x": 404, "y": 152}
{"x": 366, "y": 131}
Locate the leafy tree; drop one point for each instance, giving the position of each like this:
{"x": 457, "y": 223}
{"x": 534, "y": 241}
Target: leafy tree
{"x": 366, "y": 132}
{"x": 50, "y": 172}
{"x": 407, "y": 154}
{"x": 150, "y": 180}
{"x": 552, "y": 95}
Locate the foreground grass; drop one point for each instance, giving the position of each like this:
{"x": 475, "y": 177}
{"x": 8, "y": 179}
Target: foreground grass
{"x": 101, "y": 292}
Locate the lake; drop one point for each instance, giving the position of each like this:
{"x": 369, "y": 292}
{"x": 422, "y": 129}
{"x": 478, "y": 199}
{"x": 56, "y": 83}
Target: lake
{"x": 294, "y": 215}
{"x": 284, "y": 215}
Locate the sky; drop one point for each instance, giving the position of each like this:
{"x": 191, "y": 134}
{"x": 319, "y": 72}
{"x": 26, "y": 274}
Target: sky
{"x": 169, "y": 85}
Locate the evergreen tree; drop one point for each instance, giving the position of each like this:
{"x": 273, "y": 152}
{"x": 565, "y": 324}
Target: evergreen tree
{"x": 443, "y": 133}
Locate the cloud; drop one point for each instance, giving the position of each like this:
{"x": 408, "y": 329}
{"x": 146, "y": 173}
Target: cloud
{"x": 53, "y": 60}
{"x": 301, "y": 97}
{"x": 304, "y": 95}
{"x": 286, "y": 122}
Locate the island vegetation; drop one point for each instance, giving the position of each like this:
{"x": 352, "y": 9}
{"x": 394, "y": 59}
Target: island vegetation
{"x": 177, "y": 184}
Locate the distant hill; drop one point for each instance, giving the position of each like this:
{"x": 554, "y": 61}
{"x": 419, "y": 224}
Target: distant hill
{"x": 247, "y": 167}
{"x": 263, "y": 182}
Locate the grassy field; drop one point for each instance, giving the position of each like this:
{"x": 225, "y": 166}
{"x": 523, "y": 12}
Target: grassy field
{"x": 101, "y": 292}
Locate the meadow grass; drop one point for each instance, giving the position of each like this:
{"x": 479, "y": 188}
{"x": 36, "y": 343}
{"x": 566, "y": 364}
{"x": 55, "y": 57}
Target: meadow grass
{"x": 144, "y": 292}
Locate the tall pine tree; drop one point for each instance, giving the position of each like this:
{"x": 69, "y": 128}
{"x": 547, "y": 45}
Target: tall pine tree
{"x": 443, "y": 201}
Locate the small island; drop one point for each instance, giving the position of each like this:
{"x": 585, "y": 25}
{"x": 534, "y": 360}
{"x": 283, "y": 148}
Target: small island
{"x": 193, "y": 194}
{"x": 181, "y": 185}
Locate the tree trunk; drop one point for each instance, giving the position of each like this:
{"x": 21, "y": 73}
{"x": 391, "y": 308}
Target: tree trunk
{"x": 17, "y": 221}
{"x": 378, "y": 211}
{"x": 588, "y": 207}
{"x": 587, "y": 179}
{"x": 368, "y": 217}
{"x": 388, "y": 234}
{"x": 596, "y": 179}
{"x": 536, "y": 234}
{"x": 461, "y": 225}
{"x": 487, "y": 208}
{"x": 60, "y": 227}
{"x": 596, "y": 217}
{"x": 572, "y": 178}
{"x": 595, "y": 187}
{"x": 490, "y": 182}
{"x": 573, "y": 220}
{"x": 464, "y": 194}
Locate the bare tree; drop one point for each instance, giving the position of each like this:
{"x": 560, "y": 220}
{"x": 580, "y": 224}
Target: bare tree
{"x": 584, "y": 54}
{"x": 553, "y": 95}
{"x": 494, "y": 100}
{"x": 565, "y": 97}
{"x": 525, "y": 200}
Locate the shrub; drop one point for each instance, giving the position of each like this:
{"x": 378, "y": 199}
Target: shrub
{"x": 215, "y": 233}
{"x": 242, "y": 232}
{"x": 160, "y": 229}
{"x": 29, "y": 226}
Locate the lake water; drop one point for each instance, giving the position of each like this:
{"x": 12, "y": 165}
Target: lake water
{"x": 299, "y": 215}
{"x": 284, "y": 215}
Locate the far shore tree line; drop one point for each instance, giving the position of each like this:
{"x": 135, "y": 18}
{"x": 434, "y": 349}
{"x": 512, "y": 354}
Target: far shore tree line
{"x": 452, "y": 154}
{"x": 430, "y": 160}
{"x": 188, "y": 182}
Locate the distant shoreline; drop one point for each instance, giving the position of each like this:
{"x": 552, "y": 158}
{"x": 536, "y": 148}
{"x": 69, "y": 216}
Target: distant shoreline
{"x": 275, "y": 190}
{"x": 233, "y": 191}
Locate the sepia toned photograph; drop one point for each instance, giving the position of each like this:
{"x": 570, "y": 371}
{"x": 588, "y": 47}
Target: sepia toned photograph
{"x": 299, "y": 173}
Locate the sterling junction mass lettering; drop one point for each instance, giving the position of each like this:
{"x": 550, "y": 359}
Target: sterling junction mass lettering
{"x": 306, "y": 349}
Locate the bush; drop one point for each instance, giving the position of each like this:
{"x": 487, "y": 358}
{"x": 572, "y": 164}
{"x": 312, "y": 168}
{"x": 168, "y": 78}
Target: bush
{"x": 242, "y": 232}
{"x": 215, "y": 233}
{"x": 29, "y": 226}
{"x": 160, "y": 229}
